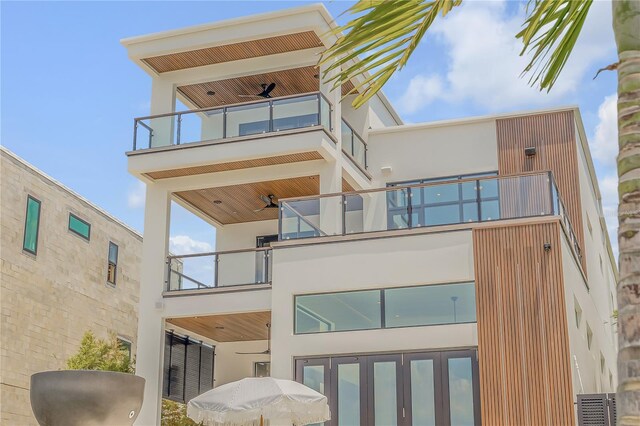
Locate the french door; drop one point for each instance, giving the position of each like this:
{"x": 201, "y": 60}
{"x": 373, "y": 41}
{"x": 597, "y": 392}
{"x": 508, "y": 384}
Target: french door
{"x": 412, "y": 389}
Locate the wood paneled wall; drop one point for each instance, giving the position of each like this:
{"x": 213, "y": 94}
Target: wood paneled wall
{"x": 523, "y": 345}
{"x": 553, "y": 136}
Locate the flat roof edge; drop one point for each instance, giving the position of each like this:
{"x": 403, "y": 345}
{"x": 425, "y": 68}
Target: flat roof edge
{"x": 470, "y": 120}
{"x": 315, "y": 7}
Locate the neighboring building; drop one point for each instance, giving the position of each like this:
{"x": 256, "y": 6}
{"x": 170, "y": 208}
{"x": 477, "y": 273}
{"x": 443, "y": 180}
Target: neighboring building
{"x": 456, "y": 272}
{"x": 67, "y": 267}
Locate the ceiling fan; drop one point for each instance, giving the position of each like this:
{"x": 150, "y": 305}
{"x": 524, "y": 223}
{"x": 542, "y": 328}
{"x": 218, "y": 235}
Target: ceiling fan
{"x": 269, "y": 201}
{"x": 268, "y": 351}
{"x": 266, "y": 91}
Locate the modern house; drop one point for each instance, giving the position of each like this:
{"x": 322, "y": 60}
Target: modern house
{"x": 451, "y": 273}
{"x": 66, "y": 267}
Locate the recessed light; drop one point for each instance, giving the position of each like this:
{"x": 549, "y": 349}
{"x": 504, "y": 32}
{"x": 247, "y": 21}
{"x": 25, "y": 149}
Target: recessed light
{"x": 210, "y": 92}
{"x": 217, "y": 201}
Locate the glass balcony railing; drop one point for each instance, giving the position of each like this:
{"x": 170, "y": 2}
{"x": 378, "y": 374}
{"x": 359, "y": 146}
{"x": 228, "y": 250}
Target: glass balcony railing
{"x": 246, "y": 119}
{"x": 354, "y": 145}
{"x": 204, "y": 271}
{"x": 424, "y": 205}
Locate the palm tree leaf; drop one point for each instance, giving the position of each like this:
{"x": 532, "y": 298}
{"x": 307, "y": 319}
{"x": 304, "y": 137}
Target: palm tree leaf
{"x": 550, "y": 33}
{"x": 379, "y": 39}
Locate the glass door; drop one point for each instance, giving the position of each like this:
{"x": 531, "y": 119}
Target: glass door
{"x": 423, "y": 389}
{"x": 384, "y": 377}
{"x": 461, "y": 386}
{"x": 348, "y": 391}
{"x": 315, "y": 374}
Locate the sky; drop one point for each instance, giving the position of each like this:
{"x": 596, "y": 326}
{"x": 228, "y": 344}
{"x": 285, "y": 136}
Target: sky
{"x": 69, "y": 93}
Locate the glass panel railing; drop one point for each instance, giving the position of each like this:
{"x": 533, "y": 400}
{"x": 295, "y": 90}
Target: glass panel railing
{"x": 295, "y": 113}
{"x": 425, "y": 205}
{"x": 244, "y": 120}
{"x": 252, "y": 118}
{"x": 353, "y": 145}
{"x": 222, "y": 269}
{"x": 325, "y": 113}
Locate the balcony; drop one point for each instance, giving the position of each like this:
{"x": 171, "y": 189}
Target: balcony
{"x": 425, "y": 205}
{"x": 216, "y": 270}
{"x": 232, "y": 121}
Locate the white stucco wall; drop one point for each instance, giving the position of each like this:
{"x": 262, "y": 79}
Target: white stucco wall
{"x": 585, "y": 362}
{"x": 415, "y": 152}
{"x": 367, "y": 264}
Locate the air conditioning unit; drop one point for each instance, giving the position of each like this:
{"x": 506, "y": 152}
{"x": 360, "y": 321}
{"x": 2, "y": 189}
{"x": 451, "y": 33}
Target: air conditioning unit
{"x": 597, "y": 409}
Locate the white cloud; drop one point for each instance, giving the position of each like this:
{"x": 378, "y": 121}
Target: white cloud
{"x": 136, "y": 195}
{"x": 604, "y": 144}
{"x": 483, "y": 59}
{"x": 183, "y": 244}
{"x": 421, "y": 91}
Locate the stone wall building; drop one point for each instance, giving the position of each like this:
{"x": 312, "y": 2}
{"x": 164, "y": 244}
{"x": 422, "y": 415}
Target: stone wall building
{"x": 66, "y": 267}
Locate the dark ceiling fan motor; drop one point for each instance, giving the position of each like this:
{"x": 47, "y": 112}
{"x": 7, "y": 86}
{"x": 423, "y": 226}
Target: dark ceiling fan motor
{"x": 266, "y": 92}
{"x": 269, "y": 201}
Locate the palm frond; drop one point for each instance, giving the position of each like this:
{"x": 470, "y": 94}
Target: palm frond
{"x": 379, "y": 40}
{"x": 550, "y": 32}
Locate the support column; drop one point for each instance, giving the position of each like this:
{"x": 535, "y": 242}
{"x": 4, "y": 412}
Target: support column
{"x": 163, "y": 100}
{"x": 331, "y": 173}
{"x": 150, "y": 347}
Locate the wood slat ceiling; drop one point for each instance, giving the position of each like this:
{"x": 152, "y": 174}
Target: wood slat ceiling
{"x": 235, "y": 165}
{"x": 240, "y": 201}
{"x": 234, "y": 51}
{"x": 228, "y": 328}
{"x": 288, "y": 82}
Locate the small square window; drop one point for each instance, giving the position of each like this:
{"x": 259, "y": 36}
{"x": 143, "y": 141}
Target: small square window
{"x": 112, "y": 263}
{"x": 578, "y": 313}
{"x": 262, "y": 369}
{"x": 31, "y": 226}
{"x": 589, "y": 336}
{"x": 79, "y": 227}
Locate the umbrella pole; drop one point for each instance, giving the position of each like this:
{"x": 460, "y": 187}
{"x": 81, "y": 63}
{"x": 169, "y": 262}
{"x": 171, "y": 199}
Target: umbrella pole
{"x": 261, "y": 421}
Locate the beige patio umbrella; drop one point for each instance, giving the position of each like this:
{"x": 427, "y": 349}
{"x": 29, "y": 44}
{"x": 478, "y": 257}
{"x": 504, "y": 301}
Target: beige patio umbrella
{"x": 259, "y": 401}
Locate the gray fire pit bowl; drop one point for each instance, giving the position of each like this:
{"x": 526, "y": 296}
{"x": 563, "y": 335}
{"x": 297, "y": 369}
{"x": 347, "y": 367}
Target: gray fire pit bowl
{"x": 87, "y": 398}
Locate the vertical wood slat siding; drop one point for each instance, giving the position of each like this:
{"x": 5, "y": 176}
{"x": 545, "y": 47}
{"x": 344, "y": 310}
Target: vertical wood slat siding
{"x": 523, "y": 346}
{"x": 553, "y": 136}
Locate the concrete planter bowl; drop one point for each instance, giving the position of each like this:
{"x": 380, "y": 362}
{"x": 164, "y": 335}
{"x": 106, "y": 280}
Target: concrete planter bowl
{"x": 87, "y": 398}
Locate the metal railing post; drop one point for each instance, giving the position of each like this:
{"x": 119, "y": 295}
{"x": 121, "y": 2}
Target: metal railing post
{"x": 280, "y": 209}
{"x": 224, "y": 123}
{"x": 270, "y": 116}
{"x": 150, "y": 137}
{"x": 167, "y": 281}
{"x": 409, "y": 208}
{"x": 320, "y": 110}
{"x": 178, "y": 129}
{"x": 344, "y": 214}
{"x": 551, "y": 185}
{"x": 135, "y": 133}
{"x": 265, "y": 260}
{"x": 216, "y": 265}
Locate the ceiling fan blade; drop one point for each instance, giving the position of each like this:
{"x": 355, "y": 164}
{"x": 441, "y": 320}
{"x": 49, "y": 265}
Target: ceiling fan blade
{"x": 270, "y": 88}
{"x": 259, "y": 210}
{"x": 250, "y": 96}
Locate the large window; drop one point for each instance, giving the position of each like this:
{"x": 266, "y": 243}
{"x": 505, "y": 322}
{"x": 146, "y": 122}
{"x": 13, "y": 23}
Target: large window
{"x": 79, "y": 226}
{"x": 31, "y": 226}
{"x": 468, "y": 201}
{"x": 386, "y": 308}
